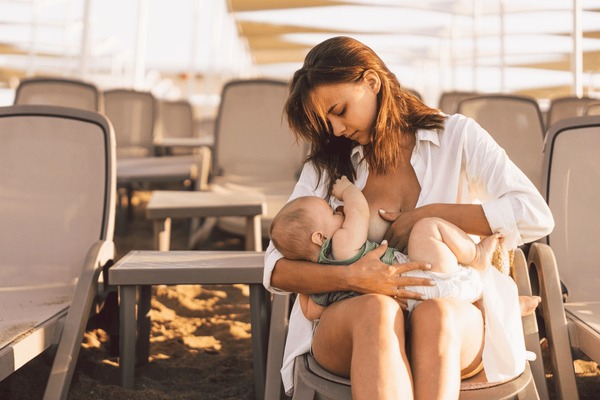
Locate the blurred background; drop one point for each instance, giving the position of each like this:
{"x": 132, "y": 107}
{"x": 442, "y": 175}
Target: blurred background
{"x": 189, "y": 48}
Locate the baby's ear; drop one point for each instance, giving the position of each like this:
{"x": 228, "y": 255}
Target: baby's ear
{"x": 318, "y": 238}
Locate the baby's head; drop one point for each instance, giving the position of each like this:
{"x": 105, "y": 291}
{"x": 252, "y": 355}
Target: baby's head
{"x": 292, "y": 228}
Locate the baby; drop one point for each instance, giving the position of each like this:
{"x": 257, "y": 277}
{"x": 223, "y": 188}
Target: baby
{"x": 308, "y": 229}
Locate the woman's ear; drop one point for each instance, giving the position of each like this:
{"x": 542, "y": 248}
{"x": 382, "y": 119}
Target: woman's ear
{"x": 318, "y": 238}
{"x": 373, "y": 80}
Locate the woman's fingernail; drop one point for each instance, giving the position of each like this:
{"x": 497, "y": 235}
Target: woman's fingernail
{"x": 428, "y": 266}
{"x": 384, "y": 241}
{"x": 432, "y": 283}
{"x": 381, "y": 211}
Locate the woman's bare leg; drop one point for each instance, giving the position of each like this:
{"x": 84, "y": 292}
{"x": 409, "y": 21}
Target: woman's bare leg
{"x": 446, "y": 337}
{"x": 363, "y": 338}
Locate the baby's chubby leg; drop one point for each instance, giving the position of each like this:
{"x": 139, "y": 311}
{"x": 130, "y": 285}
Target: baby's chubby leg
{"x": 441, "y": 244}
{"x": 444, "y": 246}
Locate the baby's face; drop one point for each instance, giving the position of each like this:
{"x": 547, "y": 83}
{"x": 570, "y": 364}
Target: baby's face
{"x": 328, "y": 221}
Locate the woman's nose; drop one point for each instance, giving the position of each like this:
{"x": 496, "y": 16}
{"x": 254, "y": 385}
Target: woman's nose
{"x": 337, "y": 126}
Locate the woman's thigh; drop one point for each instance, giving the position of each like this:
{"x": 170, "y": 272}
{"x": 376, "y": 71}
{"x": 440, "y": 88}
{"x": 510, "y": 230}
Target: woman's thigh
{"x": 365, "y": 319}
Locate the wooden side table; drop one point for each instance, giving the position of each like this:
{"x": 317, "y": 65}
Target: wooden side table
{"x": 139, "y": 270}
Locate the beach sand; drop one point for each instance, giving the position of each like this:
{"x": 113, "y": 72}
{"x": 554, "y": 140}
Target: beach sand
{"x": 200, "y": 340}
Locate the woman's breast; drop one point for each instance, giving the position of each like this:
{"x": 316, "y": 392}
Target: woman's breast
{"x": 377, "y": 226}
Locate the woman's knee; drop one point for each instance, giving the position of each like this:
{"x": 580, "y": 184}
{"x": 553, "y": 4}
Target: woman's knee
{"x": 380, "y": 311}
{"x": 435, "y": 316}
{"x": 447, "y": 318}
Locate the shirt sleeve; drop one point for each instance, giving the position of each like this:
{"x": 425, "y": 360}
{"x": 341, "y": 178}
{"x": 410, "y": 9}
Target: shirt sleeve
{"x": 512, "y": 204}
{"x": 307, "y": 185}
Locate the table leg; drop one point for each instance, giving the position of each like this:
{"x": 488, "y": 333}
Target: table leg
{"x": 162, "y": 234}
{"x": 127, "y": 335}
{"x": 253, "y": 233}
{"x": 143, "y": 325}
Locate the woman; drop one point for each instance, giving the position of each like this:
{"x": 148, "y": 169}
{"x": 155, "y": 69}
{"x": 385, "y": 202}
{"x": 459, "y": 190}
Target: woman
{"x": 411, "y": 162}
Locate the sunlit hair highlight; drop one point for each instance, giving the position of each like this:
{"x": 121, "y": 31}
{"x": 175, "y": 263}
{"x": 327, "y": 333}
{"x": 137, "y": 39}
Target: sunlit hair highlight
{"x": 345, "y": 60}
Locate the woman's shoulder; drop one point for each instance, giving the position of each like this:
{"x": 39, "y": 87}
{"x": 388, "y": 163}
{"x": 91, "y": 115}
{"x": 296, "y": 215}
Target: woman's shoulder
{"x": 458, "y": 122}
{"x": 458, "y": 127}
{"x": 310, "y": 182}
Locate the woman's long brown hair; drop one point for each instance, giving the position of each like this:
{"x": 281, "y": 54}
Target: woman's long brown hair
{"x": 342, "y": 60}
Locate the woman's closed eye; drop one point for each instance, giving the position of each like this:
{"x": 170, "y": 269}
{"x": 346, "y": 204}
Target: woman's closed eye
{"x": 340, "y": 112}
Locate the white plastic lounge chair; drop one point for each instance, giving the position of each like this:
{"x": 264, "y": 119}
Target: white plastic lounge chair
{"x": 313, "y": 382}
{"x": 572, "y": 187}
{"x": 593, "y": 109}
{"x": 64, "y": 92}
{"x": 568, "y": 107}
{"x": 57, "y": 173}
{"x": 133, "y": 115}
{"x": 255, "y": 149}
{"x": 176, "y": 120}
{"x": 515, "y": 122}
{"x": 448, "y": 102}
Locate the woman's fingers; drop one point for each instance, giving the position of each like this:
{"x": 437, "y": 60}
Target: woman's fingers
{"x": 388, "y": 215}
{"x": 402, "y": 281}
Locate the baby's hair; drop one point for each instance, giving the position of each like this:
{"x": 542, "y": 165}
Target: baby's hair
{"x": 292, "y": 227}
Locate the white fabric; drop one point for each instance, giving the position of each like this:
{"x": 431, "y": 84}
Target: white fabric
{"x": 460, "y": 165}
{"x": 465, "y": 285}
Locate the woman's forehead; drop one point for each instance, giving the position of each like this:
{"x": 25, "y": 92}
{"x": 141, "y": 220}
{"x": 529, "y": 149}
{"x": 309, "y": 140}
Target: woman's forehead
{"x": 323, "y": 97}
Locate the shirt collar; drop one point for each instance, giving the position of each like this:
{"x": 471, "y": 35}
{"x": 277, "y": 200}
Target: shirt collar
{"x": 357, "y": 154}
{"x": 432, "y": 136}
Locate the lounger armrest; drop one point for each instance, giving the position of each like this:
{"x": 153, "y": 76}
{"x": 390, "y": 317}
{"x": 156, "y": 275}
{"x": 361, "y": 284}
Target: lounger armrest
{"x": 542, "y": 263}
{"x": 63, "y": 367}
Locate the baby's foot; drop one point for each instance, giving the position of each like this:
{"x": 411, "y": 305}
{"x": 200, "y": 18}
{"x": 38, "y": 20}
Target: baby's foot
{"x": 528, "y": 304}
{"x": 484, "y": 250}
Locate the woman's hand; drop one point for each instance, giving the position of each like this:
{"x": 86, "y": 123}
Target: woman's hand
{"x": 399, "y": 231}
{"x": 371, "y": 275}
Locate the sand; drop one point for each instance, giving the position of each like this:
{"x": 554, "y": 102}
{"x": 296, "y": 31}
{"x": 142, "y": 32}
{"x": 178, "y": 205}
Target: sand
{"x": 200, "y": 340}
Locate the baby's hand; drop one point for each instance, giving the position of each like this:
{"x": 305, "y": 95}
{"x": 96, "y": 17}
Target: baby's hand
{"x": 340, "y": 185}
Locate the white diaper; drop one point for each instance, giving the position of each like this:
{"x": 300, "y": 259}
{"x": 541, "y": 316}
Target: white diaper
{"x": 464, "y": 285}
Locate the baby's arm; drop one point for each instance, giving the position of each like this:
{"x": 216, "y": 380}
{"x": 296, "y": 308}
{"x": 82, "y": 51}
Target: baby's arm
{"x": 348, "y": 240}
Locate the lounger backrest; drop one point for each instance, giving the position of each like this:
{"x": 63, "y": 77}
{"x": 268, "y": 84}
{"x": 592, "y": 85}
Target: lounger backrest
{"x": 56, "y": 193}
{"x": 448, "y": 102}
{"x": 568, "y": 107}
{"x": 515, "y": 123}
{"x": 593, "y": 109}
{"x": 58, "y": 92}
{"x": 133, "y": 116}
{"x": 176, "y": 119}
{"x": 252, "y": 137}
{"x": 572, "y": 187}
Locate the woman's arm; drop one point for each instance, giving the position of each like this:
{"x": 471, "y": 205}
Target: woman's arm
{"x": 509, "y": 203}
{"x": 468, "y": 217}
{"x": 367, "y": 275}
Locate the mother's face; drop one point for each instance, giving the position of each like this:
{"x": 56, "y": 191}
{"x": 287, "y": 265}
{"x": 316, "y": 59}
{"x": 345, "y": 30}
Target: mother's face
{"x": 350, "y": 108}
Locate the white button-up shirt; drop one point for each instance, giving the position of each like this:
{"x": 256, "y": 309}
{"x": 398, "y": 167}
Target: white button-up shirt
{"x": 461, "y": 164}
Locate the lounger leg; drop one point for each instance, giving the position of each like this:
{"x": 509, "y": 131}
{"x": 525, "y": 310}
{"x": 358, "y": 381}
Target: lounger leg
{"x": 162, "y": 234}
{"x": 127, "y": 335}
